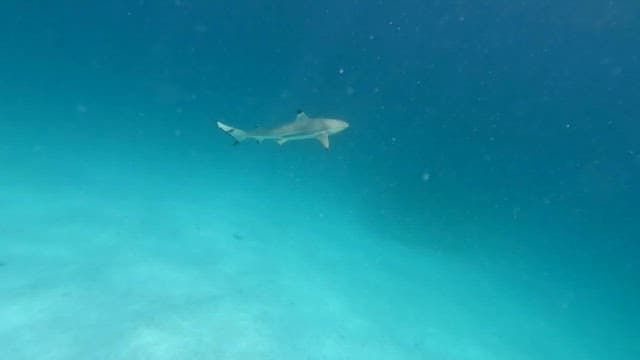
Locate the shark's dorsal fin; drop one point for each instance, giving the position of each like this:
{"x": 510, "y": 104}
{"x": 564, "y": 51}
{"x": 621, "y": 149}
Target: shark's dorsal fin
{"x": 301, "y": 116}
{"x": 324, "y": 140}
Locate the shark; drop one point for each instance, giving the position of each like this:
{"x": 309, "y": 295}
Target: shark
{"x": 303, "y": 127}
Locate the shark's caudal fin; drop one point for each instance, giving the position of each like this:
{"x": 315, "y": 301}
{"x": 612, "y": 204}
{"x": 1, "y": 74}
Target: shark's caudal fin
{"x": 237, "y": 134}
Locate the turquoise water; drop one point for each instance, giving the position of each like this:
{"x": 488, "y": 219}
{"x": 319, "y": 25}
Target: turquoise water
{"x": 481, "y": 205}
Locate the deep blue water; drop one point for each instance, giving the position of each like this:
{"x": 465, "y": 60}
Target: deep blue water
{"x": 483, "y": 203}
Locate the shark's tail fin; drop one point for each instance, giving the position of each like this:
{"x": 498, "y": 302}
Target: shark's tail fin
{"x": 237, "y": 134}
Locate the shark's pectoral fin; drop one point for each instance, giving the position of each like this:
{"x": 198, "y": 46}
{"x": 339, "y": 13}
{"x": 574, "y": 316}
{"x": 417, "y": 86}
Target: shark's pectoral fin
{"x": 324, "y": 140}
{"x": 281, "y": 141}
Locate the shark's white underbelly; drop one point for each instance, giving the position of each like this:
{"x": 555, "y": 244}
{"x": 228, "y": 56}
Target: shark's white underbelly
{"x": 301, "y": 136}
{"x": 289, "y": 137}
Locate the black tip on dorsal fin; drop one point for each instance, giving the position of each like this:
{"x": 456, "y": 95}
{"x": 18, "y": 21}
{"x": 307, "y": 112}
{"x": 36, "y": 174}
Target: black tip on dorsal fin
{"x": 299, "y": 111}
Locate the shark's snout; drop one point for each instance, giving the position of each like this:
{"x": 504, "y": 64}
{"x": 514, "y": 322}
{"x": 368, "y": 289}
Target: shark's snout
{"x": 341, "y": 125}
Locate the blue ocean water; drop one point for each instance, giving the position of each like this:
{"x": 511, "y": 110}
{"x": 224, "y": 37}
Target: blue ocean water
{"x": 483, "y": 203}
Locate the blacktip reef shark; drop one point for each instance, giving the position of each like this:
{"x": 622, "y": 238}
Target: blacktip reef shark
{"x": 303, "y": 127}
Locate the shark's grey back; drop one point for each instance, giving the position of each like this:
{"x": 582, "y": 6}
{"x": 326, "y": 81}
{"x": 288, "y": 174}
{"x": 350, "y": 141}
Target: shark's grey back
{"x": 301, "y": 125}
